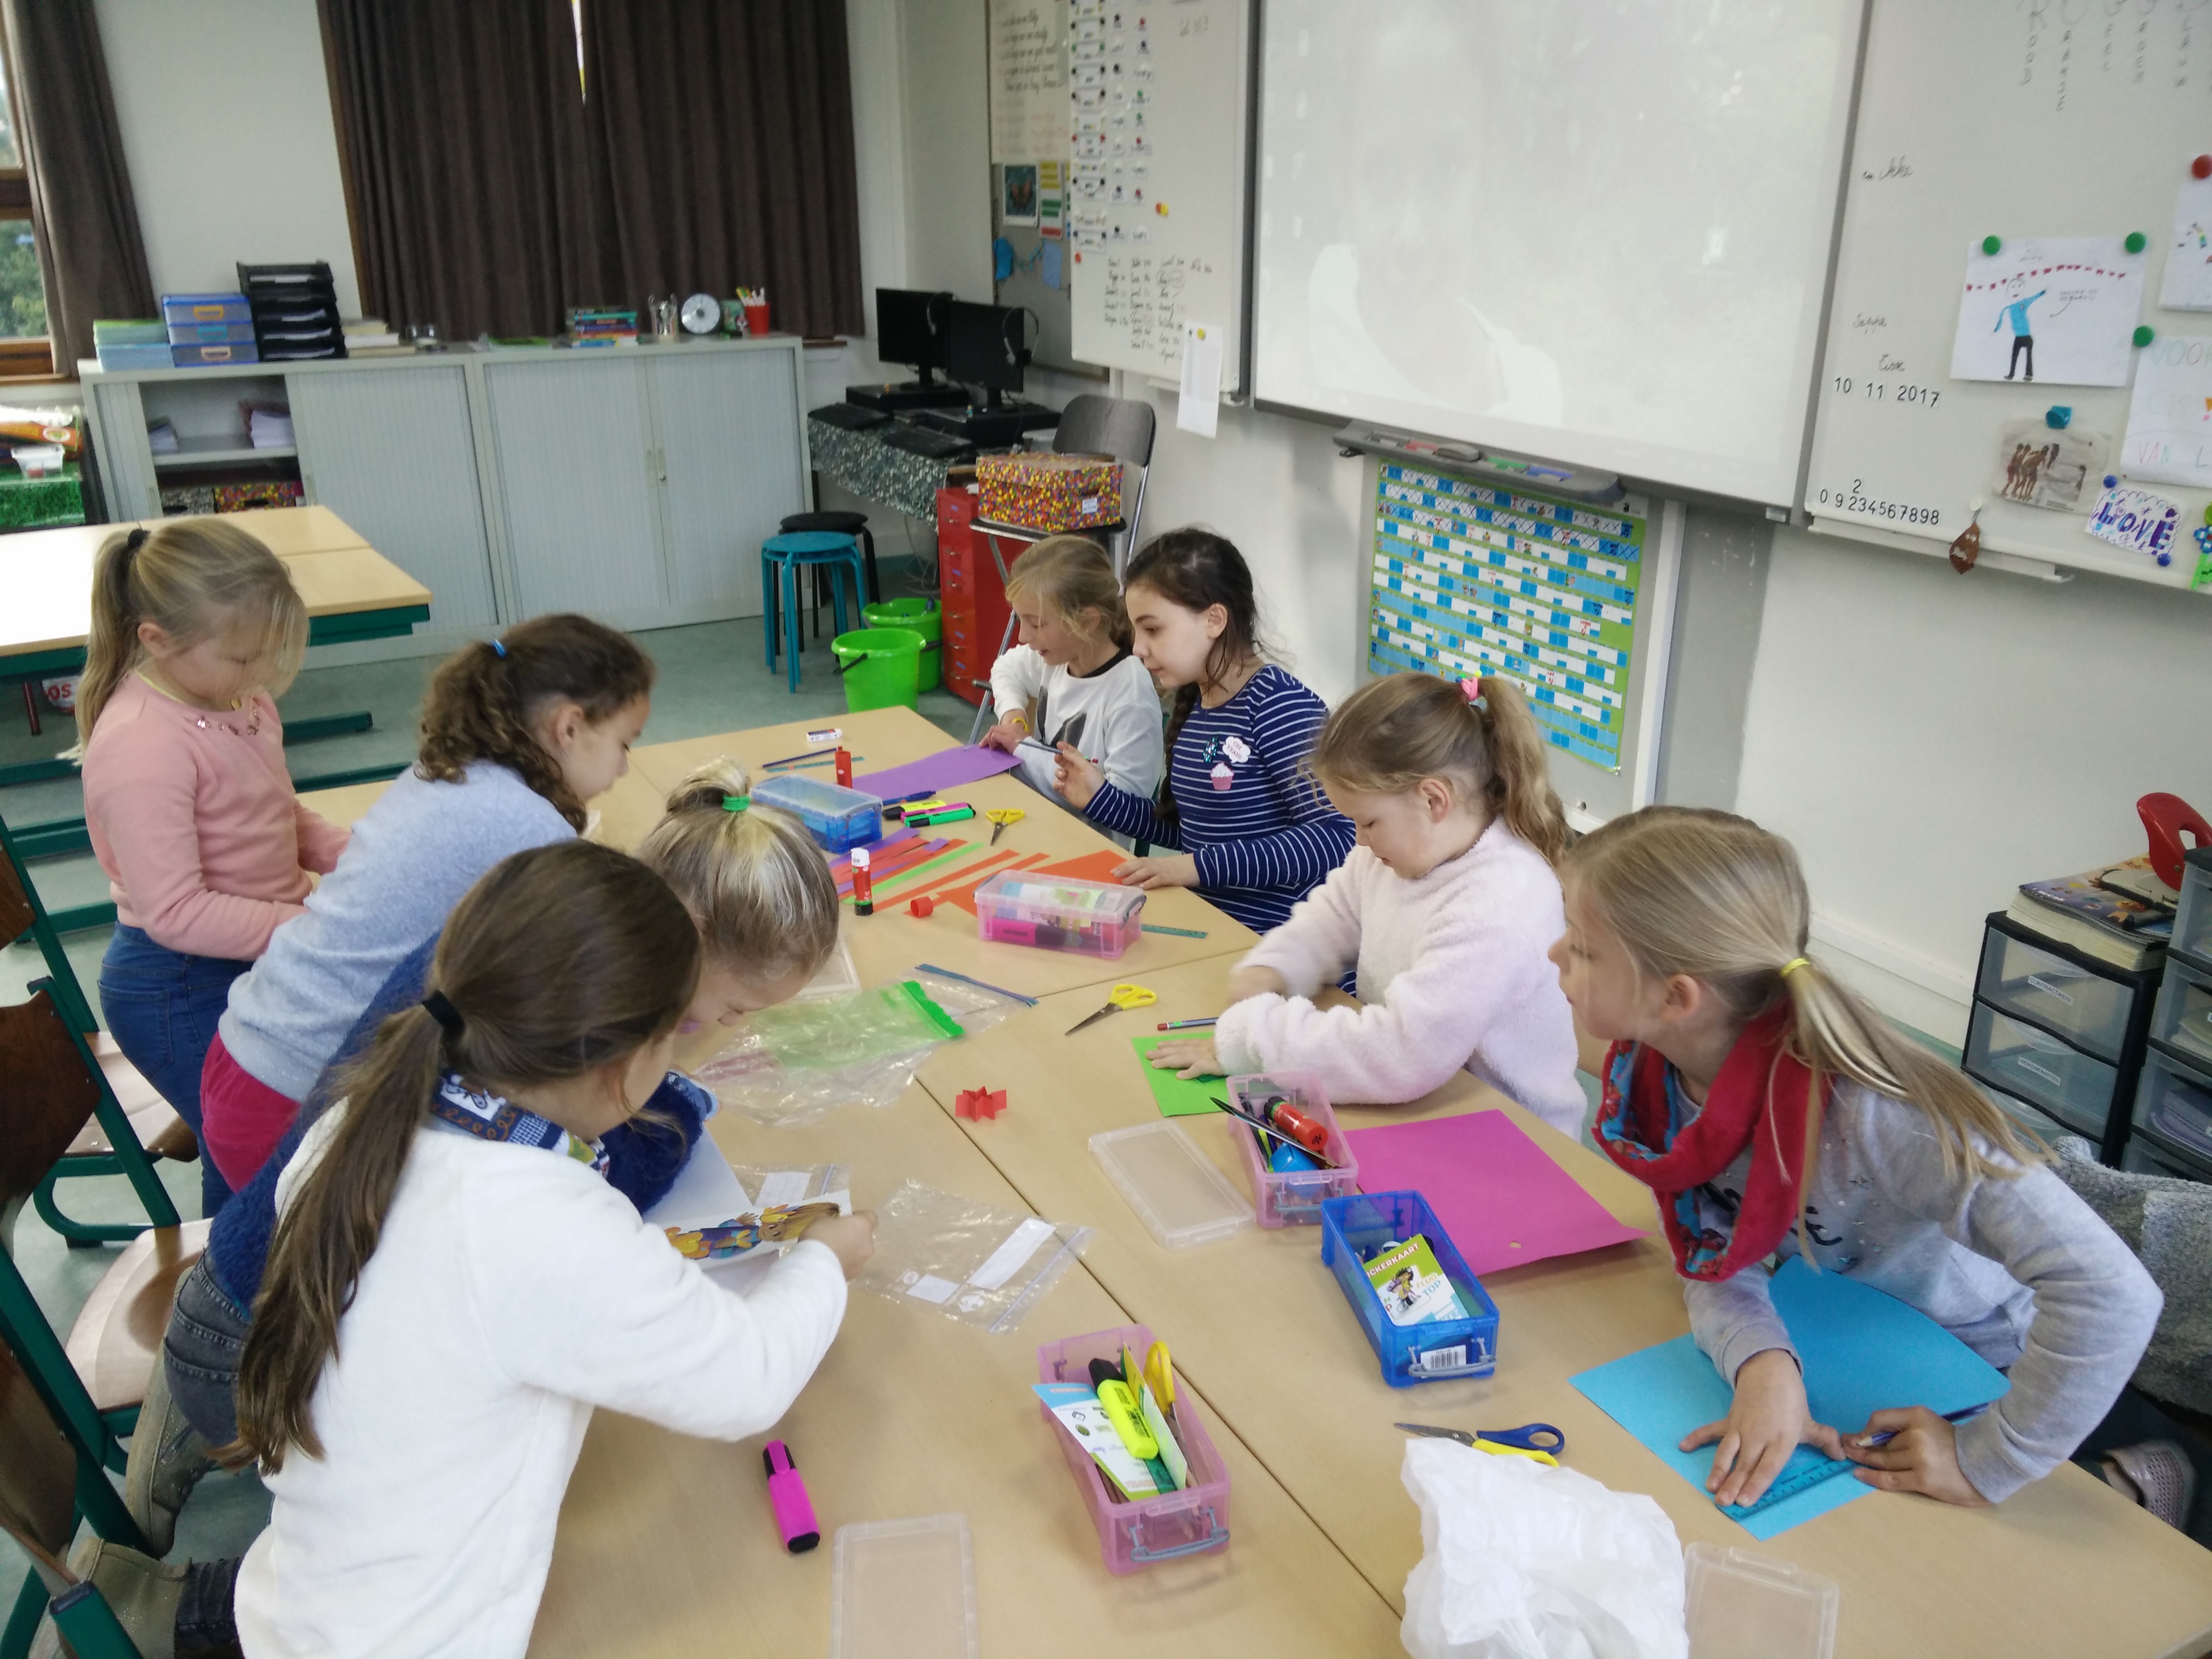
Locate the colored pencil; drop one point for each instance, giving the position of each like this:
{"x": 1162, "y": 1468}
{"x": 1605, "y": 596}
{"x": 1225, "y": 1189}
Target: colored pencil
{"x": 1186, "y": 1024}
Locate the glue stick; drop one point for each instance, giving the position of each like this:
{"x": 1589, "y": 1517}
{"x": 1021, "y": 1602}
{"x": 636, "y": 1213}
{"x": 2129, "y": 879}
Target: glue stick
{"x": 864, "y": 887}
{"x": 845, "y": 767}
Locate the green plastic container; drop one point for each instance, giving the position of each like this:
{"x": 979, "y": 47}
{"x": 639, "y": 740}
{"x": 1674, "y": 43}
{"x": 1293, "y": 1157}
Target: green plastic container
{"x": 922, "y": 616}
{"x": 881, "y": 667}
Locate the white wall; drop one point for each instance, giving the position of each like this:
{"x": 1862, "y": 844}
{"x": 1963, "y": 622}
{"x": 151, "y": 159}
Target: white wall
{"x": 1929, "y": 741}
{"x": 947, "y": 159}
{"x": 225, "y": 109}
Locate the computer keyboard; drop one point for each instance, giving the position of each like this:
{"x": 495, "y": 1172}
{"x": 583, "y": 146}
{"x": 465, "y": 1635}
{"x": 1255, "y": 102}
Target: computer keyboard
{"x": 849, "y": 417}
{"x": 936, "y": 446}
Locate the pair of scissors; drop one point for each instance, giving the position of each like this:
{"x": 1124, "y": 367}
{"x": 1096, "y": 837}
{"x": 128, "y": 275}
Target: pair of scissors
{"x": 1000, "y": 816}
{"x": 1535, "y": 1441}
{"x": 1160, "y": 1375}
{"x": 1122, "y": 996}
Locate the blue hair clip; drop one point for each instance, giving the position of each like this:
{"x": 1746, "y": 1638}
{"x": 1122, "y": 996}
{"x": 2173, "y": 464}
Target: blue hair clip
{"x": 500, "y": 645}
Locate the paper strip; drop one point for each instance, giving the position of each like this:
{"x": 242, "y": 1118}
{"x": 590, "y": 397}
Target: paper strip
{"x": 1005, "y": 1261}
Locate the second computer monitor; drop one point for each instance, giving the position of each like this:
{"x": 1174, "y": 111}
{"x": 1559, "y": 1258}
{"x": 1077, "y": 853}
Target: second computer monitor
{"x": 984, "y": 346}
{"x": 911, "y": 328}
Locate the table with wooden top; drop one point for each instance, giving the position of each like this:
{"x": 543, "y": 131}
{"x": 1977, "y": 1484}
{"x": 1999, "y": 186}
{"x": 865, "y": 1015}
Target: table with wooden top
{"x": 666, "y": 1545}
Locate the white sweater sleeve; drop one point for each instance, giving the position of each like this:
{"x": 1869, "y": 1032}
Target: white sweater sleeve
{"x": 1129, "y": 745}
{"x": 1016, "y": 679}
{"x": 596, "y": 1306}
{"x": 1321, "y": 939}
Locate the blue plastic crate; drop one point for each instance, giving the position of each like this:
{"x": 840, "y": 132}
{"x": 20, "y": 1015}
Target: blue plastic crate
{"x": 838, "y": 818}
{"x": 1357, "y": 1228}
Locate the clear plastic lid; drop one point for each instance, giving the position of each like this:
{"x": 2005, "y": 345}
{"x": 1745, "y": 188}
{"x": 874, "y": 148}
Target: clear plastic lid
{"x": 1173, "y": 1187}
{"x": 1743, "y": 1605}
{"x": 904, "y": 1590}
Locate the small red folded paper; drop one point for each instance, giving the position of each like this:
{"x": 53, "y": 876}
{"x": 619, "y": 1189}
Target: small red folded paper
{"x": 979, "y": 1103}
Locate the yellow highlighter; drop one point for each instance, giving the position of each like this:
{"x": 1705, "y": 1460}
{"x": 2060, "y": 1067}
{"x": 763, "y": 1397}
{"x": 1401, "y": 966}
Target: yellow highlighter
{"x": 1121, "y": 1408}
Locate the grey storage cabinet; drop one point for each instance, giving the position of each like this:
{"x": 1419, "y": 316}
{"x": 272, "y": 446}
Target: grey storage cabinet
{"x": 2173, "y": 1103}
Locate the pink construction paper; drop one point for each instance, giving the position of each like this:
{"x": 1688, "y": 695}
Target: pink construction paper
{"x": 948, "y": 768}
{"x": 1502, "y": 1200}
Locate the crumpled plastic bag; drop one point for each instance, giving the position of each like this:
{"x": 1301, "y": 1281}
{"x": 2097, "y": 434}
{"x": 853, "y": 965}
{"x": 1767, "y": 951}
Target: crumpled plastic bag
{"x": 1520, "y": 1560}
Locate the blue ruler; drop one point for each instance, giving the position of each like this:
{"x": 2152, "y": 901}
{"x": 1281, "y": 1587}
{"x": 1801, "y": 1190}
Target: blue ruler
{"x": 1789, "y": 1483}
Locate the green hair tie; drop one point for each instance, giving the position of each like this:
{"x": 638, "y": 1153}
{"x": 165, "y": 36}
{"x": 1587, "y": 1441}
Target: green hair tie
{"x": 736, "y": 803}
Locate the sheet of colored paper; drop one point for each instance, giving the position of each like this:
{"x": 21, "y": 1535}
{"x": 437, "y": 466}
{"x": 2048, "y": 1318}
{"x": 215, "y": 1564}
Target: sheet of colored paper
{"x": 948, "y": 768}
{"x": 1091, "y": 866}
{"x": 1863, "y": 1350}
{"x": 1177, "y": 1098}
{"x": 1503, "y": 1201}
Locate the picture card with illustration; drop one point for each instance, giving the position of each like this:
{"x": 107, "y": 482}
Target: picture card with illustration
{"x": 2054, "y": 310}
{"x": 2041, "y": 465}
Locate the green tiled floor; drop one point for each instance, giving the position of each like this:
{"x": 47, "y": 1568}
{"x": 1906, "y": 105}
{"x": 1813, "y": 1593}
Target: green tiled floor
{"x": 713, "y": 678}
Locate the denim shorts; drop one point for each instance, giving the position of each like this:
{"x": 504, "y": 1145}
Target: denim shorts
{"x": 206, "y": 1335}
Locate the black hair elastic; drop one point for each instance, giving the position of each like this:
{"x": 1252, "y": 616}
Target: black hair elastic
{"x": 442, "y": 1010}
{"x": 136, "y": 539}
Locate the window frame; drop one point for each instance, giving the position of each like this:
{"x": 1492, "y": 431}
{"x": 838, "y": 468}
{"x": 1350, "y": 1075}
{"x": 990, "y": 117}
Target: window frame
{"x": 23, "y": 358}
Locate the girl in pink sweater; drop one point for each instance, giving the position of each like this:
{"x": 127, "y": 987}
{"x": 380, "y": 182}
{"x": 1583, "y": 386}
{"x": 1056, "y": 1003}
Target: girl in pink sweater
{"x": 1447, "y": 905}
{"x": 195, "y": 626}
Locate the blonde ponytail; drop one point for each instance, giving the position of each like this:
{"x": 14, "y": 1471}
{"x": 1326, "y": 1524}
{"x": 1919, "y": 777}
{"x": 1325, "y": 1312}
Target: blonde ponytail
{"x": 1708, "y": 895}
{"x": 1393, "y": 732}
{"x": 751, "y": 877}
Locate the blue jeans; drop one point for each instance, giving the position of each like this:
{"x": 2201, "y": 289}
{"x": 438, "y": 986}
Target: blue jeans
{"x": 160, "y": 1006}
{"x": 201, "y": 1350}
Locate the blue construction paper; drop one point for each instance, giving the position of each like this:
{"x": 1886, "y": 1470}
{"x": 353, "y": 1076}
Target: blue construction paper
{"x": 1864, "y": 1351}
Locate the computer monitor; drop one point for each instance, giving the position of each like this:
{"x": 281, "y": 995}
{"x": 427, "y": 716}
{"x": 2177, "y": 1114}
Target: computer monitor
{"x": 984, "y": 347}
{"x": 910, "y": 329}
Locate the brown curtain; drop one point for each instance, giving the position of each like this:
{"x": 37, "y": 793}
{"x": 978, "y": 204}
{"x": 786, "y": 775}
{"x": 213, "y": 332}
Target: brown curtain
{"x": 726, "y": 131}
{"x": 91, "y": 256}
{"x": 467, "y": 159}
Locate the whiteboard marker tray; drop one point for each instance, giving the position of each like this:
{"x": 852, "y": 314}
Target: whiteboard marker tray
{"x": 1172, "y": 1186}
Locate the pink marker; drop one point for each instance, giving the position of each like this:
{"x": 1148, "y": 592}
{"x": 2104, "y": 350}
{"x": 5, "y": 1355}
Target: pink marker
{"x": 795, "y": 1510}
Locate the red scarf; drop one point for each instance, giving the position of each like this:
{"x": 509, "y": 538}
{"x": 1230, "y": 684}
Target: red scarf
{"x": 1759, "y": 1098}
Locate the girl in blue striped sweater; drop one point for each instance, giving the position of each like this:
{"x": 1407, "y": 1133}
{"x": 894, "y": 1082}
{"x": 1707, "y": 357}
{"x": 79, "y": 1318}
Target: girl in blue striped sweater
{"x": 1250, "y": 829}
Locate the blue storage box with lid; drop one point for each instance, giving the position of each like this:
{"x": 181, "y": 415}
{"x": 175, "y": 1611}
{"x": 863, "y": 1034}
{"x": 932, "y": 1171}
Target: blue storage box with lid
{"x": 209, "y": 333}
{"x": 206, "y": 309}
{"x": 202, "y": 356}
{"x": 838, "y": 818}
{"x": 1356, "y": 1228}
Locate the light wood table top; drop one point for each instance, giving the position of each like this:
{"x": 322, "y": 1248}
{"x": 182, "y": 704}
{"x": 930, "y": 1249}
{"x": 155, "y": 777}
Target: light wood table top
{"x": 667, "y": 1546}
{"x": 47, "y": 573}
{"x": 625, "y": 811}
{"x": 2066, "y": 1568}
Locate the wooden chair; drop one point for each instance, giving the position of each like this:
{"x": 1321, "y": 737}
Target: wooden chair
{"x": 134, "y": 1125}
{"x": 92, "y": 1383}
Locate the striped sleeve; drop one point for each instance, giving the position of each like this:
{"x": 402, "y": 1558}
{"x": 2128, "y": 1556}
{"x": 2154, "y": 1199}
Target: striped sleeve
{"x": 1314, "y": 837}
{"x": 1115, "y": 808}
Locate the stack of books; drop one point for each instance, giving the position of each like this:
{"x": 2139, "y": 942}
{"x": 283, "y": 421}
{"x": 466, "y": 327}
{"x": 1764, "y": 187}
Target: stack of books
{"x": 372, "y": 336}
{"x": 126, "y": 348}
{"x": 2119, "y": 913}
{"x": 602, "y": 325}
{"x": 268, "y": 425}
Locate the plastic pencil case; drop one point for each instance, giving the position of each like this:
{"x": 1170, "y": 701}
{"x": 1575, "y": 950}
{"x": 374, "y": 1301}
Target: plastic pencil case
{"x": 838, "y": 818}
{"x": 1191, "y": 1521}
{"x": 1355, "y": 1228}
{"x": 1292, "y": 1198}
{"x": 1058, "y": 913}
{"x": 206, "y": 309}
{"x": 203, "y": 356}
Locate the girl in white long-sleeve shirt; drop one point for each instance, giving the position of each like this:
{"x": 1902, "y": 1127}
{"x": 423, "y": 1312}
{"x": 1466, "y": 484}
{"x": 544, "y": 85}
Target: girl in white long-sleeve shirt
{"x": 1447, "y": 905}
{"x": 418, "y": 1388}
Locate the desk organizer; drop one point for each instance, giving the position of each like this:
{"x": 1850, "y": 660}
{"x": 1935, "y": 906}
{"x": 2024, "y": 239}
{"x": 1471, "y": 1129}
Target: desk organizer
{"x": 1354, "y": 1229}
{"x": 838, "y": 818}
{"x": 1191, "y": 1521}
{"x": 1058, "y": 913}
{"x": 1291, "y": 1198}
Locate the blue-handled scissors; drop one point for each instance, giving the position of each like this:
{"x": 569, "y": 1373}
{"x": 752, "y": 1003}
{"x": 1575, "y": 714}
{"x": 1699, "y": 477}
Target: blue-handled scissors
{"x": 1540, "y": 1442}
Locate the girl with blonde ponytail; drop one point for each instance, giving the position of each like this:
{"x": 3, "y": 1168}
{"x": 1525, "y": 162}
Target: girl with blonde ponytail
{"x": 1773, "y": 1112}
{"x": 1446, "y": 905}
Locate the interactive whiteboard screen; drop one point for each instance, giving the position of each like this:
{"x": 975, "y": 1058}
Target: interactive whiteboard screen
{"x": 1595, "y": 231}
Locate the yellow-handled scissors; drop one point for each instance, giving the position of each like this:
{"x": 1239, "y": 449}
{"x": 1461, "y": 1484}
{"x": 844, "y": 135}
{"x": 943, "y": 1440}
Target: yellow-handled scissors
{"x": 1122, "y": 996}
{"x": 1000, "y": 816}
{"x": 1161, "y": 1375}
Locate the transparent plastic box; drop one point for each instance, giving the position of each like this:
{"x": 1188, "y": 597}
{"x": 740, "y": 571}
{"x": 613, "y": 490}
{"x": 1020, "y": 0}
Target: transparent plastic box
{"x": 2073, "y": 1087}
{"x": 1352, "y": 1230}
{"x": 1058, "y": 913}
{"x": 1743, "y": 1605}
{"x": 2174, "y": 1104}
{"x": 1191, "y": 1521}
{"x": 904, "y": 1590}
{"x": 1172, "y": 1186}
{"x": 2192, "y": 917}
{"x": 2061, "y": 995}
{"x": 2184, "y": 1019}
{"x": 1293, "y": 1198}
{"x": 838, "y": 818}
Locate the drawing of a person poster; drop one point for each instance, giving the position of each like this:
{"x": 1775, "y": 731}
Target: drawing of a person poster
{"x": 2187, "y": 285}
{"x": 2058, "y": 311}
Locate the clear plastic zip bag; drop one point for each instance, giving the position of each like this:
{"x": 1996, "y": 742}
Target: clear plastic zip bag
{"x": 977, "y": 1263}
{"x": 790, "y": 1065}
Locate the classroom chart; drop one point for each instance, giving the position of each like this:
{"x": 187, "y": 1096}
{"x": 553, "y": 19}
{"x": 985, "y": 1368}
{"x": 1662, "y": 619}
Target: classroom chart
{"x": 1470, "y": 580}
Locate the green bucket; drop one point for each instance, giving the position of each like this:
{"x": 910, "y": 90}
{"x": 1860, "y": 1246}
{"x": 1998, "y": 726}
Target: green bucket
{"x": 922, "y": 616}
{"x": 881, "y": 667}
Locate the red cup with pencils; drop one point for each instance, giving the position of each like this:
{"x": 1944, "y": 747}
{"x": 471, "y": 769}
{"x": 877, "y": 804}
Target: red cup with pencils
{"x": 754, "y": 301}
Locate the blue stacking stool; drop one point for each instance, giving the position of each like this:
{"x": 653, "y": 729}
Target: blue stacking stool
{"x": 782, "y": 556}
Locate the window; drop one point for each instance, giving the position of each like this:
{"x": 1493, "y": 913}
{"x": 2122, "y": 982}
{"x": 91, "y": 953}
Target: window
{"x": 25, "y": 348}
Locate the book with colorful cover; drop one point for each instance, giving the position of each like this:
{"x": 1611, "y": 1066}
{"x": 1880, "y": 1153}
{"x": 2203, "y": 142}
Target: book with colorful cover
{"x": 2096, "y": 917}
{"x": 1412, "y": 1284}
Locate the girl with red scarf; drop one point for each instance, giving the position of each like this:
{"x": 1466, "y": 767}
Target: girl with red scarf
{"x": 1772, "y": 1112}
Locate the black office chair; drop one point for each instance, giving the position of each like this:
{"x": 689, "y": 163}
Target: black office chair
{"x": 1091, "y": 425}
{"x": 838, "y": 523}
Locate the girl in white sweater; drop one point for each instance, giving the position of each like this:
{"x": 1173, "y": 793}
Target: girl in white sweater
{"x": 1447, "y": 905}
{"x": 453, "y": 1285}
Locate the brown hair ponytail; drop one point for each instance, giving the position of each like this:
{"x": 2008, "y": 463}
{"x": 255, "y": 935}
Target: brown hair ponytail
{"x": 561, "y": 961}
{"x": 482, "y": 699}
{"x": 1393, "y": 732}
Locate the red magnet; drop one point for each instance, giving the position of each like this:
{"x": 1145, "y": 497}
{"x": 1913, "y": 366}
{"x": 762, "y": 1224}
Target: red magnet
{"x": 2201, "y": 167}
{"x": 921, "y": 906}
{"x": 979, "y": 1103}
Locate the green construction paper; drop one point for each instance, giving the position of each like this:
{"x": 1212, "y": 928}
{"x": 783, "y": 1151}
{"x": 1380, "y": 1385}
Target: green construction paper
{"x": 1178, "y": 1097}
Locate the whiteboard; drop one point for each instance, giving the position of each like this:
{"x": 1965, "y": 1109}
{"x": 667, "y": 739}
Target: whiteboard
{"x": 1594, "y": 232}
{"x": 2052, "y": 119}
{"x": 1159, "y": 111}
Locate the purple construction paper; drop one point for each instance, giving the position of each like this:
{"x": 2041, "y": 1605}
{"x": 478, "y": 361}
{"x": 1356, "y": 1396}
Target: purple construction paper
{"x": 1502, "y": 1200}
{"x": 948, "y": 768}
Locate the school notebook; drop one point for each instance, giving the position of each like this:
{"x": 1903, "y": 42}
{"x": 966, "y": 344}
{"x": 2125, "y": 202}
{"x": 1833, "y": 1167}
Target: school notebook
{"x": 1863, "y": 1350}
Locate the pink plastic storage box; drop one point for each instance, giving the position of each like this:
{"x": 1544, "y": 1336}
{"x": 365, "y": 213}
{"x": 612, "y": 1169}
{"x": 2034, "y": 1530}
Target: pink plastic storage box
{"x": 1191, "y": 1521}
{"x": 1291, "y": 1198}
{"x": 1058, "y": 913}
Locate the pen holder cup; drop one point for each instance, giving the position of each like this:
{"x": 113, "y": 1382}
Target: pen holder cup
{"x": 1292, "y": 1199}
{"x": 1191, "y": 1521}
{"x": 1355, "y": 1228}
